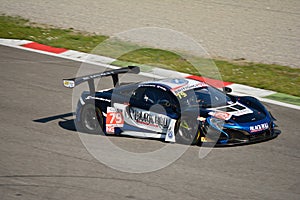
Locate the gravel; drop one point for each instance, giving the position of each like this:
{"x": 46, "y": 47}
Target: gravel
{"x": 265, "y": 31}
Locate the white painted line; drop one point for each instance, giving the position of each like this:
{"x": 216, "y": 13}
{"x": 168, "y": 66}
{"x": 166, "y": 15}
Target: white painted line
{"x": 90, "y": 57}
{"x": 77, "y": 59}
{"x": 168, "y": 73}
{"x": 14, "y": 42}
{"x": 267, "y": 100}
{"x": 248, "y": 90}
{"x": 279, "y": 103}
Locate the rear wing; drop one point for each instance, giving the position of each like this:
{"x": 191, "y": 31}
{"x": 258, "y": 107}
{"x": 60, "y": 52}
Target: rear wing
{"x": 73, "y": 82}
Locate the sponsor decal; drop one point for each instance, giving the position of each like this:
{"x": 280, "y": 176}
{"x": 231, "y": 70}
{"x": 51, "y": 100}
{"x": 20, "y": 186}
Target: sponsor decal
{"x": 242, "y": 112}
{"x": 69, "y": 84}
{"x": 98, "y": 98}
{"x": 203, "y": 139}
{"x": 206, "y": 139}
{"x": 113, "y": 119}
{"x": 147, "y": 85}
{"x": 170, "y": 137}
{"x": 148, "y": 118}
{"x": 258, "y": 128}
{"x": 188, "y": 87}
{"x": 236, "y": 109}
{"x": 153, "y": 86}
{"x": 201, "y": 119}
{"x": 221, "y": 115}
{"x": 110, "y": 129}
{"x": 178, "y": 81}
{"x": 160, "y": 87}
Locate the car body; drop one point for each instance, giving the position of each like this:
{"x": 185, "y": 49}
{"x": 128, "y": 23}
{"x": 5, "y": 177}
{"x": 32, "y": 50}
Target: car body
{"x": 176, "y": 110}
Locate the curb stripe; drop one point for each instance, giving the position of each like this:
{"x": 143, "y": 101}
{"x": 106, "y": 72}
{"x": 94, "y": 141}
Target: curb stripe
{"x": 241, "y": 90}
{"x": 213, "y": 82}
{"x": 42, "y": 47}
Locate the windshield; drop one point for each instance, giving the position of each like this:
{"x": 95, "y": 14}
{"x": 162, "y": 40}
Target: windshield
{"x": 205, "y": 97}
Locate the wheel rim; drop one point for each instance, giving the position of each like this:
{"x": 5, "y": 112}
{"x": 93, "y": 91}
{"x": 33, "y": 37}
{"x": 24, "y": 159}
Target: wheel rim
{"x": 91, "y": 118}
{"x": 185, "y": 131}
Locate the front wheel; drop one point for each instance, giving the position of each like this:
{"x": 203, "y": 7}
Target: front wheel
{"x": 187, "y": 131}
{"x": 91, "y": 119}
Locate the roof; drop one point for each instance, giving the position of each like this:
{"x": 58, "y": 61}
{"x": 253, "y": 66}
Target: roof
{"x": 176, "y": 85}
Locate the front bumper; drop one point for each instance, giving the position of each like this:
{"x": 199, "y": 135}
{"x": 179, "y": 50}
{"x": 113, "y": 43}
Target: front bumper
{"x": 251, "y": 139}
{"x": 238, "y": 138}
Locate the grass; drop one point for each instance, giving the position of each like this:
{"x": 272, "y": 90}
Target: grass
{"x": 272, "y": 77}
{"x": 278, "y": 78}
{"x": 19, "y": 28}
{"x": 285, "y": 98}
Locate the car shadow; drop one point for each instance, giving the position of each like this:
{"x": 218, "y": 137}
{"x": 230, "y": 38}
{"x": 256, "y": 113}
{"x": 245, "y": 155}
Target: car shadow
{"x": 67, "y": 121}
{"x": 68, "y": 125}
{"x": 55, "y": 117}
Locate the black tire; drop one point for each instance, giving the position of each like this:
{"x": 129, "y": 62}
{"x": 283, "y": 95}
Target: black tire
{"x": 91, "y": 119}
{"x": 187, "y": 131}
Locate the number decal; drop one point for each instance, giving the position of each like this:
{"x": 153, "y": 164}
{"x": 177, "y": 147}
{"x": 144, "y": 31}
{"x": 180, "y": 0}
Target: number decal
{"x": 113, "y": 119}
{"x": 181, "y": 95}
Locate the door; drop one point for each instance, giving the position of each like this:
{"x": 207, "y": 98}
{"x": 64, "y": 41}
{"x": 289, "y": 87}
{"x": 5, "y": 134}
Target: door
{"x": 151, "y": 109}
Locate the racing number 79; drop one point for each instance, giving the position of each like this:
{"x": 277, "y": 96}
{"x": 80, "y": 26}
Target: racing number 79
{"x": 115, "y": 118}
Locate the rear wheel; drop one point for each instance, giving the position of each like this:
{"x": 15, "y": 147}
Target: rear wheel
{"x": 187, "y": 131}
{"x": 91, "y": 119}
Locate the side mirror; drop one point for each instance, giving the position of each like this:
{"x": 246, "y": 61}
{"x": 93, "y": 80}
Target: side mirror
{"x": 227, "y": 89}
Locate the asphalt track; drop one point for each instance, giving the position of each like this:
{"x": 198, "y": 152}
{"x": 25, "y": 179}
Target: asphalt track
{"x": 46, "y": 159}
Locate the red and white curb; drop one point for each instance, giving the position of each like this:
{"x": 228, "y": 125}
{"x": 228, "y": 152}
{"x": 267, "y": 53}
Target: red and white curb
{"x": 103, "y": 61}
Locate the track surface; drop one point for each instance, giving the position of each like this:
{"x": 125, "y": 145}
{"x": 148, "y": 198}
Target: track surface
{"x": 262, "y": 31}
{"x": 48, "y": 160}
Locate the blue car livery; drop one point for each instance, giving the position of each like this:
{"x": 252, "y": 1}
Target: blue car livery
{"x": 175, "y": 110}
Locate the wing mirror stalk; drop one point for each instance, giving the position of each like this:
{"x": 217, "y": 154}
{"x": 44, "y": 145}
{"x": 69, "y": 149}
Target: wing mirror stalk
{"x": 227, "y": 90}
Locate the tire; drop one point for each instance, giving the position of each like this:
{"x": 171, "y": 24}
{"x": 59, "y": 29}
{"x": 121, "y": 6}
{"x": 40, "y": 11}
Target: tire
{"x": 91, "y": 119}
{"x": 187, "y": 131}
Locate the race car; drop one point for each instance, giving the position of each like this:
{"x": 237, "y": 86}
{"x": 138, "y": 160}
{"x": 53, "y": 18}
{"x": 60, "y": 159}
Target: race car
{"x": 179, "y": 110}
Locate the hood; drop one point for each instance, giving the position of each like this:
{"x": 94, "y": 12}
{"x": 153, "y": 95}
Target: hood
{"x": 253, "y": 119}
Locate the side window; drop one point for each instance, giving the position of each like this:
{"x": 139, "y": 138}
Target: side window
{"x": 143, "y": 96}
{"x": 150, "y": 96}
{"x": 137, "y": 95}
{"x": 147, "y": 97}
{"x": 167, "y": 100}
{"x": 163, "y": 96}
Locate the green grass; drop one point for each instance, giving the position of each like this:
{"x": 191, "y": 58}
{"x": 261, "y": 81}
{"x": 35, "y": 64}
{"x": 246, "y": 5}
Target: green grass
{"x": 285, "y": 98}
{"x": 170, "y": 60}
{"x": 159, "y": 58}
{"x": 18, "y": 28}
{"x": 278, "y": 78}
{"x": 272, "y": 77}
